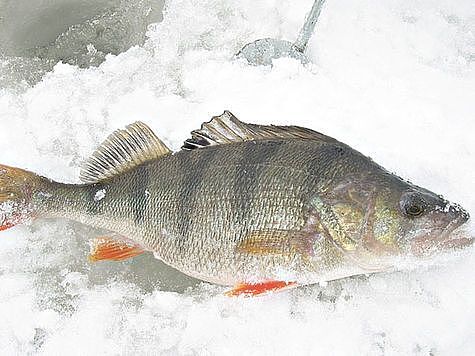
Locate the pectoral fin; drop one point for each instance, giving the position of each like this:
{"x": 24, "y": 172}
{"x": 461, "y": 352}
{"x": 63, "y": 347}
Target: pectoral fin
{"x": 250, "y": 290}
{"x": 106, "y": 248}
{"x": 277, "y": 242}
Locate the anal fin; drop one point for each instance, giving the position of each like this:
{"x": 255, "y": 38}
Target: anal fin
{"x": 250, "y": 290}
{"x": 106, "y": 248}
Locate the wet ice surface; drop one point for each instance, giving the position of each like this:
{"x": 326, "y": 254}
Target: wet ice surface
{"x": 394, "y": 80}
{"x": 34, "y": 36}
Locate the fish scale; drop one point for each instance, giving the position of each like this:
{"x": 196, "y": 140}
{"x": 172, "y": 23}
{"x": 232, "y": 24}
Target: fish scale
{"x": 257, "y": 211}
{"x": 271, "y": 206}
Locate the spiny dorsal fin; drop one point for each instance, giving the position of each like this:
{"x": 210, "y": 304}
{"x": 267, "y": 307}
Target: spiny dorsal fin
{"x": 226, "y": 128}
{"x": 121, "y": 151}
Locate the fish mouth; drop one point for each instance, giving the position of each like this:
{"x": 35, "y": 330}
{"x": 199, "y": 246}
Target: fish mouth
{"x": 456, "y": 237}
{"x": 453, "y": 236}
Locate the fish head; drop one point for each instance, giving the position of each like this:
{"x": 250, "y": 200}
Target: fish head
{"x": 425, "y": 221}
{"x": 378, "y": 220}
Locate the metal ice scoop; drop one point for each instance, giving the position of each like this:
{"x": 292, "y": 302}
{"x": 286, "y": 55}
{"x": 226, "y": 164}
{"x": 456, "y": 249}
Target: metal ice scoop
{"x": 264, "y": 50}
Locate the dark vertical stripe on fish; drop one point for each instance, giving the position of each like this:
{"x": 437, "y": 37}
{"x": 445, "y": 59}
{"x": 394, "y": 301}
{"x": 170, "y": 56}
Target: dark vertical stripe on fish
{"x": 137, "y": 194}
{"x": 247, "y": 179}
{"x": 321, "y": 165}
{"x": 193, "y": 168}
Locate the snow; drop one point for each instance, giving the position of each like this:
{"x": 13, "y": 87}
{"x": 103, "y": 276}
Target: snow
{"x": 393, "y": 79}
{"x": 100, "y": 194}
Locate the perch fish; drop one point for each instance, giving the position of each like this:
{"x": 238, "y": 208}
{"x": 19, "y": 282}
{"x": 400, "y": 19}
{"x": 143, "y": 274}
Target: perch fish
{"x": 259, "y": 208}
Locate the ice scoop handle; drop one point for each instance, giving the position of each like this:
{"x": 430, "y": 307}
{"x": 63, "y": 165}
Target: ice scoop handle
{"x": 308, "y": 26}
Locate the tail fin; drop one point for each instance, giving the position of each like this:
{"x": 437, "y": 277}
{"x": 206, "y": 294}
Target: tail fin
{"x": 17, "y": 187}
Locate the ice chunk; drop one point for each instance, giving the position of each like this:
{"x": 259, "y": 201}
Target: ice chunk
{"x": 100, "y": 194}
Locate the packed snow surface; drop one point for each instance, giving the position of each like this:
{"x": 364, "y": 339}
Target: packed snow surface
{"x": 393, "y": 79}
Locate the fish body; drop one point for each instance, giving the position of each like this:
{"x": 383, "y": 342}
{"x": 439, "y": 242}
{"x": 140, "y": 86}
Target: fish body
{"x": 243, "y": 203}
{"x": 195, "y": 208}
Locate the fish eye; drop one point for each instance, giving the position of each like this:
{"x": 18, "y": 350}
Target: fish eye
{"x": 413, "y": 205}
{"x": 415, "y": 210}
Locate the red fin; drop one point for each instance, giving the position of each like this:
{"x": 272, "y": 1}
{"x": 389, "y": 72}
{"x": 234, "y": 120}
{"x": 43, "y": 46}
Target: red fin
{"x": 6, "y": 225}
{"x": 10, "y": 218}
{"x": 105, "y": 248}
{"x": 250, "y": 290}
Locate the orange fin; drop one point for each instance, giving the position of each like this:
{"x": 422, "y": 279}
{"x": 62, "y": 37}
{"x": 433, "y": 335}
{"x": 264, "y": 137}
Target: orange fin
{"x": 251, "y": 290}
{"x": 6, "y": 225}
{"x": 106, "y": 248}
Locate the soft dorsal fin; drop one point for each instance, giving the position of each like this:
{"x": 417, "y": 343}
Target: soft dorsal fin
{"x": 227, "y": 128}
{"x": 121, "y": 151}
